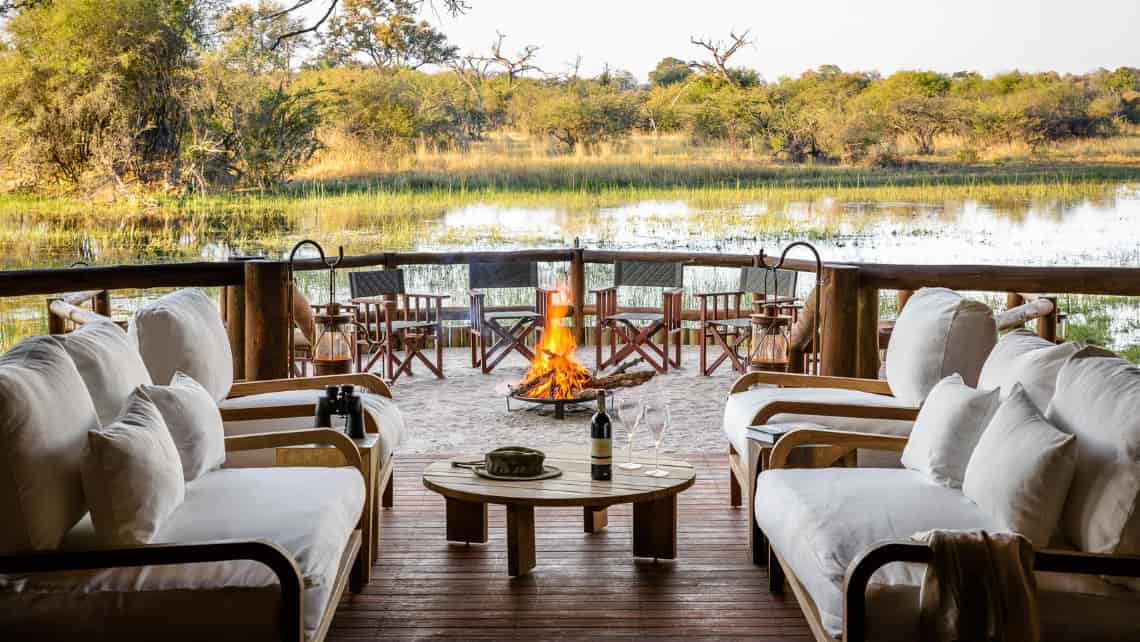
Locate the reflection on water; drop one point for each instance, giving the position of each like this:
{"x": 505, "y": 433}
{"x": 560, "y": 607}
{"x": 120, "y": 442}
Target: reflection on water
{"x": 1088, "y": 231}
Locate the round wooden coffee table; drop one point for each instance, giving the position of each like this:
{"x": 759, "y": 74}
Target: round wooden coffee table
{"x": 654, "y": 502}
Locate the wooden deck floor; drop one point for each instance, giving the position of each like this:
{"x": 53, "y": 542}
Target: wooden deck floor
{"x": 584, "y": 586}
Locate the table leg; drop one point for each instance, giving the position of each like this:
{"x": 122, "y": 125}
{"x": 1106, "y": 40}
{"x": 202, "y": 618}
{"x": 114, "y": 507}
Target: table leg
{"x": 655, "y": 528}
{"x": 594, "y": 519}
{"x": 520, "y": 539}
{"x": 466, "y": 521}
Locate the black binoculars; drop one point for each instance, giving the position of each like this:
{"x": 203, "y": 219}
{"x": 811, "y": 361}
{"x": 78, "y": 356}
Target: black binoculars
{"x": 343, "y": 402}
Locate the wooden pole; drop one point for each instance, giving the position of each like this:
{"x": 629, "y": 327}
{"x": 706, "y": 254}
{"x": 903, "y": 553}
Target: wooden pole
{"x": 578, "y": 293}
{"x": 56, "y": 324}
{"x": 1013, "y": 299}
{"x": 867, "y": 349}
{"x": 233, "y": 310}
{"x": 103, "y": 303}
{"x": 904, "y": 296}
{"x": 267, "y": 304}
{"x": 840, "y": 325}
{"x": 1047, "y": 325}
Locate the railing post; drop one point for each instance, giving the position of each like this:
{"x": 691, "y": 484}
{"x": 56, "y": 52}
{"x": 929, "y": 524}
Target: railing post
{"x": 904, "y": 296}
{"x": 56, "y": 324}
{"x": 1013, "y": 299}
{"x": 267, "y": 304}
{"x": 867, "y": 351}
{"x": 233, "y": 311}
{"x": 578, "y": 292}
{"x": 1047, "y": 325}
{"x": 840, "y": 325}
{"x": 103, "y": 303}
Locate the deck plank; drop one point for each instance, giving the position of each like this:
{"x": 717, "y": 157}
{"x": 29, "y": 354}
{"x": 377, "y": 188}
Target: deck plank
{"x": 583, "y": 587}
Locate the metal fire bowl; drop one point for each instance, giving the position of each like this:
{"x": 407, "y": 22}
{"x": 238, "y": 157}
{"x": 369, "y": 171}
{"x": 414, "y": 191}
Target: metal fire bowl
{"x": 559, "y": 405}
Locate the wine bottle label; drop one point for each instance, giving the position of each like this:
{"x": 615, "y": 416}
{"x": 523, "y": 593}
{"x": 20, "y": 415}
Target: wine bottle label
{"x": 601, "y": 451}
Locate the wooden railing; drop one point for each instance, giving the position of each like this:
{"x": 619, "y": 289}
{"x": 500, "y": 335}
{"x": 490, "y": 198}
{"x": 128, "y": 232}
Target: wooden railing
{"x": 256, "y": 298}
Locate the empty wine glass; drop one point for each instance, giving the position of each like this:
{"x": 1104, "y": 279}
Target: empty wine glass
{"x": 657, "y": 417}
{"x": 627, "y": 410}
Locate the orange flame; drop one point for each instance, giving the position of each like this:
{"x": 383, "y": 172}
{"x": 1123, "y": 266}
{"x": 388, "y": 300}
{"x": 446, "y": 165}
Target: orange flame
{"x": 558, "y": 373}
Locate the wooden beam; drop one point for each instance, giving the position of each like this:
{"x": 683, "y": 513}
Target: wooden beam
{"x": 840, "y": 325}
{"x": 119, "y": 277}
{"x": 867, "y": 349}
{"x": 267, "y": 303}
{"x": 1123, "y": 281}
{"x": 578, "y": 294}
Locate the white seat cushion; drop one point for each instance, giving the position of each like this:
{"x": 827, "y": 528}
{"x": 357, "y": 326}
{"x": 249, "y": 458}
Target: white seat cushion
{"x": 309, "y": 511}
{"x": 819, "y": 520}
{"x": 1025, "y": 358}
{"x": 389, "y": 422}
{"x": 109, "y": 364}
{"x": 743, "y": 406}
{"x": 183, "y": 331}
{"x": 45, "y": 413}
{"x": 937, "y": 334}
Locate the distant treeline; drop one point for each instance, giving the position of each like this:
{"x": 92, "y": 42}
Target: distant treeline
{"x": 195, "y": 94}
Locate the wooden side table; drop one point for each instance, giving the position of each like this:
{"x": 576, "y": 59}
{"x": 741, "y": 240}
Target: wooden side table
{"x": 319, "y": 455}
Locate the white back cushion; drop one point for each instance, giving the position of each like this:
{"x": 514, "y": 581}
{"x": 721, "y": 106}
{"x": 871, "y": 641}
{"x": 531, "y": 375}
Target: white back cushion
{"x": 45, "y": 413}
{"x": 1021, "y": 470}
{"x": 1023, "y": 357}
{"x": 1098, "y": 400}
{"x": 132, "y": 475}
{"x": 194, "y": 421}
{"x": 109, "y": 364}
{"x": 947, "y": 429}
{"x": 183, "y": 331}
{"x": 937, "y": 334}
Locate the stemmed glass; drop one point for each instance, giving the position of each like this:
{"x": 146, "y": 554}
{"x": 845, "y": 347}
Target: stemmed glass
{"x": 657, "y": 416}
{"x": 628, "y": 411}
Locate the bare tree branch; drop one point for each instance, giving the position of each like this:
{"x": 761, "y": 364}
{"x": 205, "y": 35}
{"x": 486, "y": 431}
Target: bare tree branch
{"x": 721, "y": 52}
{"x": 454, "y": 7}
{"x": 519, "y": 64}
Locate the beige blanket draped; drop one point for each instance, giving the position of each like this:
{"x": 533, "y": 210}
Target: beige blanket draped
{"x": 978, "y": 587}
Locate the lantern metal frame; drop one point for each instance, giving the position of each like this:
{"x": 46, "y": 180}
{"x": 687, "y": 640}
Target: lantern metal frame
{"x": 814, "y": 364}
{"x": 332, "y": 312}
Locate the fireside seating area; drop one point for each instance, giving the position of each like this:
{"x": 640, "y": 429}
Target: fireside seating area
{"x": 167, "y": 480}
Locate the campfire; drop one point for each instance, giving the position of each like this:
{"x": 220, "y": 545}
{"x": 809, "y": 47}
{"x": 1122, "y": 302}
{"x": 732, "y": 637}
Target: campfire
{"x": 556, "y": 375}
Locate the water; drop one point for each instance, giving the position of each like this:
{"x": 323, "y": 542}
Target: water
{"x": 1104, "y": 230}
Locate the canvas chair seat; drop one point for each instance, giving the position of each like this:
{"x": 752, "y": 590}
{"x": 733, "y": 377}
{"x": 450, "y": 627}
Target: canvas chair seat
{"x": 744, "y": 322}
{"x": 512, "y": 314}
{"x": 638, "y": 316}
{"x": 402, "y": 325}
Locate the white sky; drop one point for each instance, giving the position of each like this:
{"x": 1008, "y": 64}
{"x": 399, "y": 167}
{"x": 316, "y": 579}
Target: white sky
{"x": 791, "y": 36}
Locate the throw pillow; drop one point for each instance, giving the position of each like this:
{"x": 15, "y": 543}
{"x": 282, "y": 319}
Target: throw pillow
{"x": 947, "y": 430}
{"x": 1023, "y": 357}
{"x": 1021, "y": 469}
{"x": 194, "y": 422}
{"x": 132, "y": 475}
{"x": 183, "y": 331}
{"x": 109, "y": 364}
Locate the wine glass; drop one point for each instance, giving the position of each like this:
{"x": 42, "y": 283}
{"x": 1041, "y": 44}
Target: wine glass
{"x": 627, "y": 411}
{"x": 657, "y": 416}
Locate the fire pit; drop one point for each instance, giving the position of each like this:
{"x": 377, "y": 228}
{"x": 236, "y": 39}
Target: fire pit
{"x": 556, "y": 377}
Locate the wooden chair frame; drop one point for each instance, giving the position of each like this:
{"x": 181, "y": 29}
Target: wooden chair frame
{"x": 635, "y": 336}
{"x": 350, "y": 572}
{"x": 492, "y": 341}
{"x": 745, "y": 467}
{"x": 392, "y": 312}
{"x": 863, "y": 567}
{"x": 718, "y": 309}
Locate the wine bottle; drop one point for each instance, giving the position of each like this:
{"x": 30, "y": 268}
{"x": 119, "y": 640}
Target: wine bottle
{"x": 601, "y": 442}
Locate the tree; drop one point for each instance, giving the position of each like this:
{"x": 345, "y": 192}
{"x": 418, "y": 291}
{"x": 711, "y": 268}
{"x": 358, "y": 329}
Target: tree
{"x": 519, "y": 64}
{"x": 721, "y": 52}
{"x": 669, "y": 71}
{"x": 247, "y": 37}
{"x": 385, "y": 32}
{"x": 586, "y": 115}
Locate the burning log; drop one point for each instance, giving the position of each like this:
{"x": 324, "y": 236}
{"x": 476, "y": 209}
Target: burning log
{"x": 623, "y": 380}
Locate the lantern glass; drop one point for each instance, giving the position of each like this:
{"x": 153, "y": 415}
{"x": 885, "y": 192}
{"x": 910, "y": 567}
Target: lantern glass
{"x": 769, "y": 345}
{"x": 335, "y": 345}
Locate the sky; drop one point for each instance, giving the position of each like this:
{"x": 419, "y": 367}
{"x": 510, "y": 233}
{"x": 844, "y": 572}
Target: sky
{"x": 789, "y": 37}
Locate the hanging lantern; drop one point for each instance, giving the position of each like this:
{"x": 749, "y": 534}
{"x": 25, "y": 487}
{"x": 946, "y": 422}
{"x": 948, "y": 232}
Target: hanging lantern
{"x": 334, "y": 350}
{"x": 769, "y": 345}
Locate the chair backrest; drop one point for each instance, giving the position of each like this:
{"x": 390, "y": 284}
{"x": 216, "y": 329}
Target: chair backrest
{"x": 482, "y": 276}
{"x": 781, "y": 283}
{"x": 649, "y": 274}
{"x": 375, "y": 283}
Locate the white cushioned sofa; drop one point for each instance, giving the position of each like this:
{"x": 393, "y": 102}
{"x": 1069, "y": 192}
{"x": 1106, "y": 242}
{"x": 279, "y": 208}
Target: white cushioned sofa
{"x": 240, "y": 553}
{"x": 938, "y": 333}
{"x": 841, "y": 537}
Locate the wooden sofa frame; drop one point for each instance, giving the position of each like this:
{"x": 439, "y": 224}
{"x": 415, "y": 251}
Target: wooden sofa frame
{"x": 863, "y": 567}
{"x": 350, "y": 572}
{"x": 745, "y": 467}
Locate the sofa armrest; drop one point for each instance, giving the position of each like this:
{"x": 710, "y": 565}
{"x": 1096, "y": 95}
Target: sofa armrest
{"x": 327, "y": 436}
{"x": 864, "y": 566}
{"x": 275, "y": 557}
{"x": 370, "y": 382}
{"x": 792, "y": 380}
{"x": 815, "y": 437}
